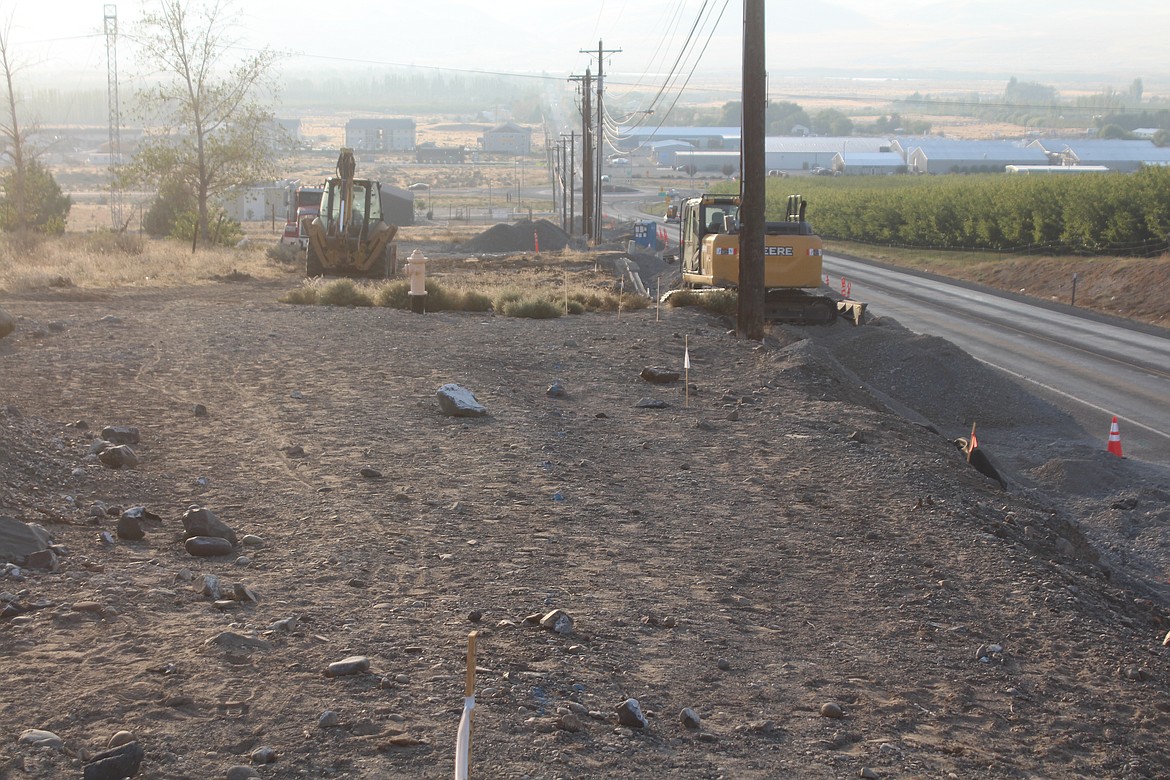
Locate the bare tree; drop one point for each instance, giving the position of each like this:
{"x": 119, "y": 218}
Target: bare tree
{"x": 210, "y": 129}
{"x": 15, "y": 140}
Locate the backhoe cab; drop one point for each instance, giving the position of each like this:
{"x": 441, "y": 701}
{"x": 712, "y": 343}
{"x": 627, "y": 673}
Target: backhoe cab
{"x": 348, "y": 236}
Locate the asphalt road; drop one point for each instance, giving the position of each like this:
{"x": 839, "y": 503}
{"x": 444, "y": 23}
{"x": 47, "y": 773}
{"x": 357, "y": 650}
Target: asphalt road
{"x": 1094, "y": 367}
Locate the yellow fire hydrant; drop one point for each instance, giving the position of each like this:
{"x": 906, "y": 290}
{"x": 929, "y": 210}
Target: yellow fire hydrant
{"x": 416, "y": 271}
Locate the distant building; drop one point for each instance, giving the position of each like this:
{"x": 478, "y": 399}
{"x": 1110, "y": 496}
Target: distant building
{"x": 380, "y": 135}
{"x": 397, "y": 205}
{"x": 508, "y": 138}
{"x": 724, "y": 163}
{"x": 258, "y": 202}
{"x": 799, "y": 153}
{"x": 942, "y": 155}
{"x": 868, "y": 163}
{"x": 1121, "y": 155}
{"x": 700, "y": 138}
{"x": 439, "y": 155}
{"x": 666, "y": 153}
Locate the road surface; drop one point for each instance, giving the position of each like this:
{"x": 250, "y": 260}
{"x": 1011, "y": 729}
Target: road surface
{"x": 1094, "y": 367}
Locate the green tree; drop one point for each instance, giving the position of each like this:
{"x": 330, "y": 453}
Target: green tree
{"x": 41, "y": 207}
{"x": 208, "y": 125}
{"x": 832, "y": 122}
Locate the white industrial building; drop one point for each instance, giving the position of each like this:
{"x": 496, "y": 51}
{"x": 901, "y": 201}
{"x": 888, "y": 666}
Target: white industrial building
{"x": 803, "y": 153}
{"x": 1117, "y": 155}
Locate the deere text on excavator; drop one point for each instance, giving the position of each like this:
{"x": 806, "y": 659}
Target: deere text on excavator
{"x": 348, "y": 236}
{"x": 709, "y": 252}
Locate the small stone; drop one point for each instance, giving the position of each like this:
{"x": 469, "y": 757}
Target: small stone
{"x": 832, "y": 709}
{"x": 200, "y": 410}
{"x": 659, "y": 376}
{"x": 328, "y": 719}
{"x": 40, "y": 738}
{"x": 207, "y": 585}
{"x": 474, "y": 616}
{"x": 457, "y": 401}
{"x": 556, "y": 390}
{"x": 869, "y": 774}
{"x": 263, "y": 755}
{"x": 201, "y": 521}
{"x": 630, "y": 715}
{"x": 207, "y": 546}
{"x": 118, "y": 456}
{"x": 651, "y": 403}
{"x": 723, "y": 664}
{"x": 558, "y": 621}
{"x": 241, "y": 772}
{"x": 570, "y": 723}
{"x": 689, "y": 718}
{"x": 251, "y": 540}
{"x": 371, "y": 473}
{"x": 1166, "y": 640}
{"x": 115, "y": 763}
{"x": 120, "y": 738}
{"x": 243, "y": 593}
{"x": 129, "y": 527}
{"x": 354, "y": 664}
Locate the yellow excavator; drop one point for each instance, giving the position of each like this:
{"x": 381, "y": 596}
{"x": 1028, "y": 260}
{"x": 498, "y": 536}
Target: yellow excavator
{"x": 709, "y": 255}
{"x": 348, "y": 236}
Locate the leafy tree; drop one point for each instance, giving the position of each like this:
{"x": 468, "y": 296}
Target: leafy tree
{"x": 1112, "y": 132}
{"x": 41, "y": 206}
{"x": 832, "y": 122}
{"x": 208, "y": 127}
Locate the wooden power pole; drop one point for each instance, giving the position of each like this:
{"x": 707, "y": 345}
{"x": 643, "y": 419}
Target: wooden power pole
{"x": 750, "y": 311}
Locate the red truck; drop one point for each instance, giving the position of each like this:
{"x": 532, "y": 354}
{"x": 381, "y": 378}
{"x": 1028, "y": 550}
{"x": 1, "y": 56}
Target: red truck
{"x": 306, "y": 204}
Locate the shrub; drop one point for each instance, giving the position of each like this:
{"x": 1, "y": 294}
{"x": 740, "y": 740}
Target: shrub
{"x": 43, "y": 208}
{"x": 343, "y": 292}
{"x": 393, "y": 295}
{"x": 532, "y": 308}
{"x": 718, "y": 302}
{"x": 285, "y": 254}
{"x": 107, "y": 242}
{"x": 305, "y": 295}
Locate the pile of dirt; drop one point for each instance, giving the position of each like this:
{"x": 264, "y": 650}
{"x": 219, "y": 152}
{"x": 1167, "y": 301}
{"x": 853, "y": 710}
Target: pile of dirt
{"x": 523, "y": 236}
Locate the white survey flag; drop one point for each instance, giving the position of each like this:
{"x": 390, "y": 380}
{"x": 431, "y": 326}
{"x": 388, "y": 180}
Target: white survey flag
{"x": 463, "y": 745}
{"x": 687, "y": 357}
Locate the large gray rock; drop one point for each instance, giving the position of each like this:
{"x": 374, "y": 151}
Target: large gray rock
{"x": 19, "y": 540}
{"x": 201, "y": 521}
{"x": 458, "y": 401}
{"x": 7, "y": 323}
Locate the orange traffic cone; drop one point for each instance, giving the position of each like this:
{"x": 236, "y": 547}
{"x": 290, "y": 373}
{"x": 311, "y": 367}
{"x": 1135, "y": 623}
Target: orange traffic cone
{"x": 1114, "y": 445}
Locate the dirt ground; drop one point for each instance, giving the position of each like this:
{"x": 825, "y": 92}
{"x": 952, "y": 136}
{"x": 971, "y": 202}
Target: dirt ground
{"x": 786, "y": 534}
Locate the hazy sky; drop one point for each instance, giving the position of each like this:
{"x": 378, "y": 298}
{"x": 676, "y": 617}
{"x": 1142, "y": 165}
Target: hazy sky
{"x": 1115, "y": 42}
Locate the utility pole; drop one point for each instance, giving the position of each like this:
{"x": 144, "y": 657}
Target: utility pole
{"x": 750, "y": 308}
{"x": 110, "y": 20}
{"x": 599, "y": 142}
{"x": 572, "y": 182}
{"x": 586, "y": 153}
{"x": 566, "y": 193}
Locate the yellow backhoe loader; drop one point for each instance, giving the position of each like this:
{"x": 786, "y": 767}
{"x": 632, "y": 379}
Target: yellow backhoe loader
{"x": 348, "y": 236}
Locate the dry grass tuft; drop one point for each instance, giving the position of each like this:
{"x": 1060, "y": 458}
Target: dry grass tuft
{"x": 107, "y": 259}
